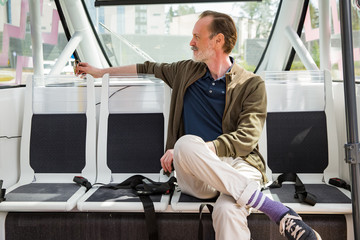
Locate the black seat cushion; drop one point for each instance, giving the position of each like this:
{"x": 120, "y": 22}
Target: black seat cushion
{"x": 135, "y": 142}
{"x": 57, "y": 143}
{"x": 297, "y": 142}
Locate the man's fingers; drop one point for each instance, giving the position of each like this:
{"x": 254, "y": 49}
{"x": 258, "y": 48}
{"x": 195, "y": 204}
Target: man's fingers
{"x": 166, "y": 161}
{"x": 162, "y": 163}
{"x": 80, "y": 68}
{"x": 168, "y": 164}
{"x": 82, "y": 64}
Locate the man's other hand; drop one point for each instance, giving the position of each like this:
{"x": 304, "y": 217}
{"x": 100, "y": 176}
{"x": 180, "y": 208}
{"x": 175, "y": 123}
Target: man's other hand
{"x": 167, "y": 160}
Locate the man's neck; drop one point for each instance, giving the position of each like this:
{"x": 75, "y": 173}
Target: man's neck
{"x": 219, "y": 65}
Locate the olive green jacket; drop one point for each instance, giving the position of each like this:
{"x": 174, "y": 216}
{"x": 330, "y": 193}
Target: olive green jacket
{"x": 244, "y": 113}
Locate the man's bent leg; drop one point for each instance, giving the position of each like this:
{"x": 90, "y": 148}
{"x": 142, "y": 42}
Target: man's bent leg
{"x": 230, "y": 219}
{"x": 192, "y": 155}
{"x": 193, "y": 186}
{"x": 193, "y": 158}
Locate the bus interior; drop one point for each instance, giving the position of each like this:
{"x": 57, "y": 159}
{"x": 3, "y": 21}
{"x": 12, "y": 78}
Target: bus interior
{"x": 56, "y": 125}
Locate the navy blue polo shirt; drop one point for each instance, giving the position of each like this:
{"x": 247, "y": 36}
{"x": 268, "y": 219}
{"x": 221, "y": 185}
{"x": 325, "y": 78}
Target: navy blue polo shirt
{"x": 204, "y": 104}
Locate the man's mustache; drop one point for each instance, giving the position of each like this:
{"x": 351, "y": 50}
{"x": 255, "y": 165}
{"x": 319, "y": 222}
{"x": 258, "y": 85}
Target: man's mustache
{"x": 194, "y": 48}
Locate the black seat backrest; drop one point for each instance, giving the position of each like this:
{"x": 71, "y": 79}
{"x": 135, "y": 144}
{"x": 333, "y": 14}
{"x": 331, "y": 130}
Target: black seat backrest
{"x": 58, "y": 143}
{"x": 297, "y": 142}
{"x": 135, "y": 142}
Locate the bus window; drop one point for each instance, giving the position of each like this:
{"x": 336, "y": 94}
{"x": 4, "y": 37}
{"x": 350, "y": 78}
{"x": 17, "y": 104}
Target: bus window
{"x": 162, "y": 32}
{"x": 15, "y": 39}
{"x": 310, "y": 37}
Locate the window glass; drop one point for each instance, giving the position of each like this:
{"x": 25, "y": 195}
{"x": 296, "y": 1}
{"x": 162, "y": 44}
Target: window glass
{"x": 310, "y": 37}
{"x": 15, "y": 40}
{"x": 162, "y": 32}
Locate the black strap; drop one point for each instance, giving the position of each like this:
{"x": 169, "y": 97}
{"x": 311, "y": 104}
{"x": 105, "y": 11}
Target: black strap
{"x": 2, "y": 192}
{"x": 211, "y": 208}
{"x": 83, "y": 182}
{"x": 144, "y": 187}
{"x": 150, "y": 217}
{"x": 300, "y": 191}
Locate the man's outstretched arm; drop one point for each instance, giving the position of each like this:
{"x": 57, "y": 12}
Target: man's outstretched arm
{"x": 83, "y": 68}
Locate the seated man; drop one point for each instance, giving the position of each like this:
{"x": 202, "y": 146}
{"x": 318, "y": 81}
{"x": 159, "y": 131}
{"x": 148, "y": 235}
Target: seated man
{"x": 217, "y": 114}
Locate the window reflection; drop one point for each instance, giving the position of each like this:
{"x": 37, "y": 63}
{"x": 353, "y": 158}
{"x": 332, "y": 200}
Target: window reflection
{"x": 162, "y": 32}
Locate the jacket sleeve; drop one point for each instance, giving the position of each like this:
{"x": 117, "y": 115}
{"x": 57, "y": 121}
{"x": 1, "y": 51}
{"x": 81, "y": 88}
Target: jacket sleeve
{"x": 249, "y": 122}
{"x": 164, "y": 71}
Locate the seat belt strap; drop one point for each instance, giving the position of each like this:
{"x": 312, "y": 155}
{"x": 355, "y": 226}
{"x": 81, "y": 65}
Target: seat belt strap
{"x": 211, "y": 208}
{"x": 300, "y": 191}
{"x": 144, "y": 187}
{"x": 150, "y": 218}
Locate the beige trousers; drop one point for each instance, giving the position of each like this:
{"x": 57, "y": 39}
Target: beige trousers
{"x": 201, "y": 173}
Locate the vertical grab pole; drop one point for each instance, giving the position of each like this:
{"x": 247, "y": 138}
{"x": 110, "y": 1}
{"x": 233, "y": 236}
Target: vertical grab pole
{"x": 352, "y": 146}
{"x": 37, "y": 49}
{"x": 325, "y": 34}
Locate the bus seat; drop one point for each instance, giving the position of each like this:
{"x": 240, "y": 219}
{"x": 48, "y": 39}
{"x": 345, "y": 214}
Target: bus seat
{"x": 300, "y": 137}
{"x": 181, "y": 202}
{"x": 130, "y": 141}
{"x": 58, "y": 142}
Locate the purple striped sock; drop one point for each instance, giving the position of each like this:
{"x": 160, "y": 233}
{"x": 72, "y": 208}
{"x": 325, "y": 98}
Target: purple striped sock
{"x": 273, "y": 209}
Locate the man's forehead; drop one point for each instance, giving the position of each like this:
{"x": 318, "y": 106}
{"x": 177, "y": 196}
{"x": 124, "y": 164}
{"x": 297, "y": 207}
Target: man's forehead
{"x": 202, "y": 25}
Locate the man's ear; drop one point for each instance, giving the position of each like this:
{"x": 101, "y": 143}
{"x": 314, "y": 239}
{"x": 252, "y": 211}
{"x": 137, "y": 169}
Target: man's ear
{"x": 220, "y": 40}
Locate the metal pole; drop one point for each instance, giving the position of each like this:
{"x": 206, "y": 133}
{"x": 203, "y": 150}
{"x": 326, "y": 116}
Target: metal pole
{"x": 300, "y": 49}
{"x": 352, "y": 146}
{"x": 66, "y": 53}
{"x": 325, "y": 34}
{"x": 88, "y": 49}
{"x": 37, "y": 49}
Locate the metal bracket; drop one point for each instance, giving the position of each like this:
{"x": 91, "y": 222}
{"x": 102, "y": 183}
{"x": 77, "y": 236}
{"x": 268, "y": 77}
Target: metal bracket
{"x": 352, "y": 153}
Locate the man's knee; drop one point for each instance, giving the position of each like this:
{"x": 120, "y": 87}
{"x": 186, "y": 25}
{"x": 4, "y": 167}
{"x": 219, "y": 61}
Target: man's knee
{"x": 184, "y": 146}
{"x": 186, "y": 141}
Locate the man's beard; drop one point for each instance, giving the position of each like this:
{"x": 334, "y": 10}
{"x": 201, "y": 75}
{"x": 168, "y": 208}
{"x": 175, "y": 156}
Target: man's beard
{"x": 203, "y": 55}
